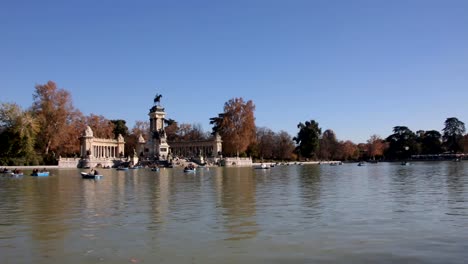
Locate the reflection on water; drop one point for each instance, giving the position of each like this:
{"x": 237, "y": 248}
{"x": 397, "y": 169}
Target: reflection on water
{"x": 383, "y": 213}
{"x": 237, "y": 200}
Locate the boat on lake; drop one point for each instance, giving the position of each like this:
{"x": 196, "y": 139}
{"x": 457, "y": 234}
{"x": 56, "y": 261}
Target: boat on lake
{"x": 5, "y": 171}
{"x": 122, "y": 168}
{"x": 86, "y": 175}
{"x": 263, "y": 167}
{"x": 189, "y": 168}
{"x": 40, "y": 173}
{"x": 12, "y": 173}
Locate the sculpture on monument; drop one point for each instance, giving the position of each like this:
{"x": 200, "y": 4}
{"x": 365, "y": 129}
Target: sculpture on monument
{"x": 157, "y": 98}
{"x": 157, "y": 103}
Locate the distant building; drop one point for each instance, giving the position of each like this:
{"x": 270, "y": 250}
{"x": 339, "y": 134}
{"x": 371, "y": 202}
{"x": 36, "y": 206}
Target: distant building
{"x": 110, "y": 152}
{"x": 158, "y": 147}
{"x": 96, "y": 151}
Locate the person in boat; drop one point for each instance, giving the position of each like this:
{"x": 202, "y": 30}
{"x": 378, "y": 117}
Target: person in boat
{"x": 91, "y": 172}
{"x": 189, "y": 167}
{"x": 96, "y": 172}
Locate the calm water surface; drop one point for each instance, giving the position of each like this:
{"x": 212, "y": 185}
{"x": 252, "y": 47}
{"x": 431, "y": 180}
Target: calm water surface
{"x": 379, "y": 213}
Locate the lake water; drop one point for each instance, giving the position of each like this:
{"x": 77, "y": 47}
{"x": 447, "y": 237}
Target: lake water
{"x": 378, "y": 213}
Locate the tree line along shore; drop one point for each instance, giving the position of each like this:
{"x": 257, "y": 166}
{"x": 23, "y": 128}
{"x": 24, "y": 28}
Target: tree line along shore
{"x": 50, "y": 128}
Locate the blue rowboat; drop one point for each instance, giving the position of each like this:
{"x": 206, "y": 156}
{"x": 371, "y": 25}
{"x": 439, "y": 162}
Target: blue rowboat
{"x": 40, "y": 174}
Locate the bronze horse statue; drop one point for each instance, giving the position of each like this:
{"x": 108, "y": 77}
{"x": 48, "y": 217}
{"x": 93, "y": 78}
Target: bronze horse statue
{"x": 157, "y": 98}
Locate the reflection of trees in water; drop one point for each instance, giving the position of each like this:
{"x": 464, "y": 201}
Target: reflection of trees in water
{"x": 456, "y": 179}
{"x": 309, "y": 185}
{"x": 403, "y": 188}
{"x": 48, "y": 203}
{"x": 12, "y": 203}
{"x": 159, "y": 194}
{"x": 48, "y": 209}
{"x": 428, "y": 185}
{"x": 238, "y": 192}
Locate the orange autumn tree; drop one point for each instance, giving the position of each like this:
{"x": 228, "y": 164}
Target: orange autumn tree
{"x": 101, "y": 126}
{"x": 71, "y": 139}
{"x": 375, "y": 146}
{"x": 236, "y": 126}
{"x": 53, "y": 109}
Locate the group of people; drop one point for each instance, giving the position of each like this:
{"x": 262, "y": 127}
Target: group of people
{"x": 15, "y": 171}
{"x": 189, "y": 167}
{"x": 37, "y": 170}
{"x": 5, "y": 170}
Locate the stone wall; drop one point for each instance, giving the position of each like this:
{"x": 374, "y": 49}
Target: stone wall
{"x": 68, "y": 162}
{"x": 84, "y": 163}
{"x": 236, "y": 162}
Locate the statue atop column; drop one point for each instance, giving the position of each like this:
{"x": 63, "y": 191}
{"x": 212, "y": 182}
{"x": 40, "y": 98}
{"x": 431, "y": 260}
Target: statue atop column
{"x": 157, "y": 99}
{"x": 157, "y": 104}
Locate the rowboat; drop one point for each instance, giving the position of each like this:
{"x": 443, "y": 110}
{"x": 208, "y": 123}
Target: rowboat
{"x": 40, "y": 174}
{"x": 262, "y": 167}
{"x": 15, "y": 173}
{"x": 189, "y": 169}
{"x": 85, "y": 175}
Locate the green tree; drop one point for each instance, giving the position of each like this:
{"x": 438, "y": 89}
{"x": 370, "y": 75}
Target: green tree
{"x": 402, "y": 143}
{"x": 120, "y": 127}
{"x": 18, "y": 130}
{"x": 307, "y": 139}
{"x": 430, "y": 142}
{"x": 453, "y": 134}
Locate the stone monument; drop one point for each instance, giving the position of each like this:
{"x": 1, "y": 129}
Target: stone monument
{"x": 157, "y": 144}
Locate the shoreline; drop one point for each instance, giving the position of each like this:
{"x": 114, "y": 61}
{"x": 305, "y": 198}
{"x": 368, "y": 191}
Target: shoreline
{"x": 297, "y": 163}
{"x": 254, "y": 164}
{"x": 33, "y": 167}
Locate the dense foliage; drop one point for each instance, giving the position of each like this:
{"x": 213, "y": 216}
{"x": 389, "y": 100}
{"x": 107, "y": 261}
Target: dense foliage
{"x": 51, "y": 127}
{"x": 453, "y": 135}
{"x": 236, "y": 125}
{"x": 308, "y": 139}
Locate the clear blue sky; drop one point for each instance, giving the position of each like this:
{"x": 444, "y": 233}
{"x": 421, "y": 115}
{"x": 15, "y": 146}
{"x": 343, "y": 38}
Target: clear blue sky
{"x": 357, "y": 67}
